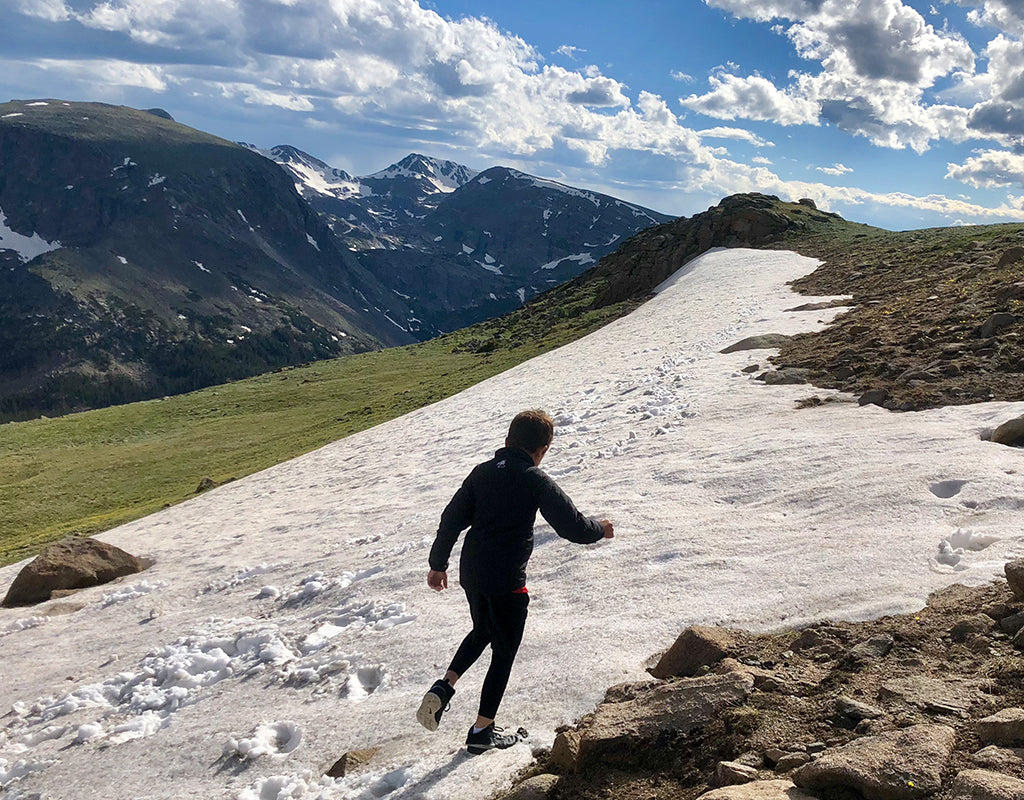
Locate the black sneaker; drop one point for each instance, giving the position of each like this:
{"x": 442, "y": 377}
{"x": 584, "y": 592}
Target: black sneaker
{"x": 434, "y": 704}
{"x": 492, "y": 738}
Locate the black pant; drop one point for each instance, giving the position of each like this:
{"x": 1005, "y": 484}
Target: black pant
{"x": 498, "y": 621}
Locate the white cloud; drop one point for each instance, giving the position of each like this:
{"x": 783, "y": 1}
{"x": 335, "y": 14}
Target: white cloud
{"x": 49, "y": 10}
{"x": 755, "y": 98}
{"x": 1003, "y": 15}
{"x": 570, "y": 50}
{"x": 835, "y": 169}
{"x": 740, "y": 134}
{"x": 877, "y": 57}
{"x": 988, "y": 169}
{"x": 682, "y": 77}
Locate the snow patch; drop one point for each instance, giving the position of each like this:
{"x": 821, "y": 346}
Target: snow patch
{"x": 122, "y": 259}
{"x": 132, "y": 592}
{"x": 312, "y": 241}
{"x": 580, "y": 258}
{"x": 156, "y": 180}
{"x": 269, "y": 739}
{"x": 27, "y": 247}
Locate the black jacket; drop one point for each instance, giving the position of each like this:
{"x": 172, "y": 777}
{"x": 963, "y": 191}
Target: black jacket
{"x": 499, "y": 503}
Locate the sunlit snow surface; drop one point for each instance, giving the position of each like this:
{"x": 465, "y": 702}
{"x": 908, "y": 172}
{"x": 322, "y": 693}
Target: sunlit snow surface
{"x": 287, "y": 618}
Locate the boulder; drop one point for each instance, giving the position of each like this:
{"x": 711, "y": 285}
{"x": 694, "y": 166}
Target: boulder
{"x": 696, "y": 647}
{"x": 1008, "y": 292}
{"x": 786, "y": 376}
{"x": 1012, "y": 623}
{"x": 806, "y": 201}
{"x": 863, "y": 653}
{"x": 873, "y": 397}
{"x": 1010, "y": 255}
{"x": 680, "y": 706}
{"x": 732, "y": 773}
{"x": 995, "y": 323}
{"x": 352, "y": 761}
{"x": 966, "y": 627}
{"x": 72, "y": 563}
{"x": 763, "y": 342}
{"x": 1004, "y": 759}
{"x": 895, "y": 765}
{"x": 980, "y": 784}
{"x": 1014, "y": 571}
{"x": 791, "y": 761}
{"x": 759, "y": 790}
{"x": 1004, "y": 728}
{"x": 536, "y": 788}
{"x": 856, "y": 711}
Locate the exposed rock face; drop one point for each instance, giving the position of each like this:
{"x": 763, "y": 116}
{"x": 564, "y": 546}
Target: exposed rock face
{"x": 896, "y": 765}
{"x": 72, "y": 563}
{"x": 697, "y": 646}
{"x": 744, "y": 220}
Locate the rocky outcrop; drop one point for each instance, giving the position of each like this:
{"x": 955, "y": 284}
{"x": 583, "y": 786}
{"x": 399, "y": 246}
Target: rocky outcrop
{"x": 762, "y": 342}
{"x": 1010, "y": 433}
{"x": 924, "y": 705}
{"x": 897, "y": 765}
{"x": 742, "y": 220}
{"x": 67, "y": 565}
{"x": 353, "y": 761}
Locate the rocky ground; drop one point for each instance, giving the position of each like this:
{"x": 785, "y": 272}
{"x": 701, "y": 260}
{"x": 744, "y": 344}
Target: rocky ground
{"x": 937, "y": 317}
{"x": 925, "y": 705}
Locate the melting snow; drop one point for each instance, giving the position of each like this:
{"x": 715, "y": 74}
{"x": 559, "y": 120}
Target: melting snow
{"x": 157, "y": 179}
{"x": 13, "y": 114}
{"x": 580, "y": 258}
{"x": 732, "y": 506}
{"x": 312, "y": 241}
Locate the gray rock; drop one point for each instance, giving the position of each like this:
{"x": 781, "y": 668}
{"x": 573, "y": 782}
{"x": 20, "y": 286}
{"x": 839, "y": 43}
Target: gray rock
{"x": 1011, "y": 291}
{"x": 536, "y": 788}
{"x": 773, "y": 754}
{"x": 1018, "y": 639}
{"x": 1014, "y": 571}
{"x": 791, "y": 761}
{"x": 873, "y": 397}
{"x": 751, "y": 368}
{"x": 930, "y": 694}
{"x": 1005, "y": 727}
{"x": 205, "y": 485}
{"x": 732, "y": 773}
{"x": 980, "y": 784}
{"x": 72, "y": 563}
{"x": 1011, "y": 255}
{"x": 1012, "y": 623}
{"x": 759, "y": 790}
{"x": 967, "y": 627}
{"x": 874, "y": 649}
{"x": 787, "y": 376}
{"x": 852, "y": 709}
{"x": 763, "y": 342}
{"x": 680, "y": 706}
{"x": 1004, "y": 759}
{"x": 895, "y": 765}
{"x": 995, "y": 323}
{"x": 1010, "y": 433}
{"x": 696, "y": 647}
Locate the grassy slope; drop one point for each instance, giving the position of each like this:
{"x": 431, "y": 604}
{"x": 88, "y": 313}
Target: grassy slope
{"x": 91, "y": 471}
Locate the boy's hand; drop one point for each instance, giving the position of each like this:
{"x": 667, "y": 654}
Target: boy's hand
{"x": 437, "y": 580}
{"x": 609, "y": 529}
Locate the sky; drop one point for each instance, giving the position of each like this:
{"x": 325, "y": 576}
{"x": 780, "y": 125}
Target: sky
{"x": 901, "y": 115}
{"x": 289, "y": 609}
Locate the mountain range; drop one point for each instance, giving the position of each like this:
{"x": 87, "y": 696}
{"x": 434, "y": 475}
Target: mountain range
{"x": 140, "y": 257}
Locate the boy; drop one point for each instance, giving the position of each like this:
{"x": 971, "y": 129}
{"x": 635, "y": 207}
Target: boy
{"x": 499, "y": 503}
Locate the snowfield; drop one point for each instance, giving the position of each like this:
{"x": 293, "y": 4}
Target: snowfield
{"x": 287, "y": 618}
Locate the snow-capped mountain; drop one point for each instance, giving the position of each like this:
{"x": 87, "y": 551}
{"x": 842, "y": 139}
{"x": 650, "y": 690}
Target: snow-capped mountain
{"x": 146, "y": 258}
{"x": 456, "y": 246}
{"x": 286, "y": 620}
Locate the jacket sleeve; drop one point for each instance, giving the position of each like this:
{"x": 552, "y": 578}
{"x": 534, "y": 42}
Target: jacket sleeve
{"x": 456, "y": 517}
{"x": 556, "y": 507}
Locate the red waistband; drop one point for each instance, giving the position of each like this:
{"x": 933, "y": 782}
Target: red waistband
{"x": 521, "y": 590}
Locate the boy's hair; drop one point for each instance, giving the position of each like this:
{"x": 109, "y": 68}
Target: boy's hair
{"x": 531, "y": 430}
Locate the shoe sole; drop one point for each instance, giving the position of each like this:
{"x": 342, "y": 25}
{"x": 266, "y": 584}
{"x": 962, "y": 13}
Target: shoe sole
{"x": 427, "y": 713}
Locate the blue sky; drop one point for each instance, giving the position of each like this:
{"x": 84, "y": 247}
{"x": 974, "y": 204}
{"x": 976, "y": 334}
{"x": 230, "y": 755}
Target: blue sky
{"x": 902, "y": 115}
